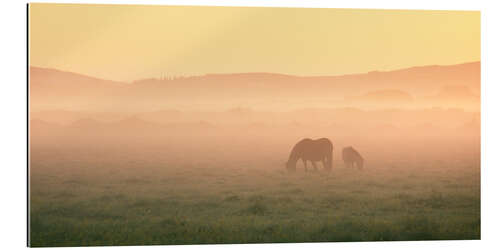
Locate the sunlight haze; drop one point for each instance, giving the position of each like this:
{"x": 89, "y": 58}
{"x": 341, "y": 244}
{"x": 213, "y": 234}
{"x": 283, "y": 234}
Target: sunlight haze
{"x": 126, "y": 43}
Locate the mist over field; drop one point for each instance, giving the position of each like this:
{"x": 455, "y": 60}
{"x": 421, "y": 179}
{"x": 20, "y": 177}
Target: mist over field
{"x": 201, "y": 159}
{"x": 158, "y": 125}
{"x": 450, "y": 86}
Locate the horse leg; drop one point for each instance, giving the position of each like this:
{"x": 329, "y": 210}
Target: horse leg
{"x": 305, "y": 164}
{"x": 314, "y": 165}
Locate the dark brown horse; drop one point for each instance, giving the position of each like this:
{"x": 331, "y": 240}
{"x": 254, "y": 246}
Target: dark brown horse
{"x": 351, "y": 157}
{"x": 313, "y": 151}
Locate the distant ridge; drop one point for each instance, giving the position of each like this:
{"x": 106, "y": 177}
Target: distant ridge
{"x": 52, "y": 89}
{"x": 476, "y": 64}
{"x": 39, "y": 72}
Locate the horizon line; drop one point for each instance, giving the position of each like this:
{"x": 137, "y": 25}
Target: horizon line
{"x": 256, "y": 72}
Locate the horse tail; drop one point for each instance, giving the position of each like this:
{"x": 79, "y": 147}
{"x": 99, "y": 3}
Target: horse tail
{"x": 329, "y": 156}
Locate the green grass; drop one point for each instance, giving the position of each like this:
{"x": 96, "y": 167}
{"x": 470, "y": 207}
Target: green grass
{"x": 83, "y": 204}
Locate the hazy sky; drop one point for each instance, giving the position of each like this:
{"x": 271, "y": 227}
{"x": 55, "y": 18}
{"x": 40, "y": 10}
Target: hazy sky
{"x": 129, "y": 42}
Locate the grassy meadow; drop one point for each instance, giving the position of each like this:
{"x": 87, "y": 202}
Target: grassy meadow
{"x": 143, "y": 191}
{"x": 161, "y": 125}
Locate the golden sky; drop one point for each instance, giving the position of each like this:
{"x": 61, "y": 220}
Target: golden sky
{"x": 129, "y": 42}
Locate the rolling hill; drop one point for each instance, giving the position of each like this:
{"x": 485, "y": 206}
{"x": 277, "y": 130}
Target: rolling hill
{"x": 53, "y": 89}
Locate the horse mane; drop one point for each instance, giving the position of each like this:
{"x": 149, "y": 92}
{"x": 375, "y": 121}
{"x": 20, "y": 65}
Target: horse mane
{"x": 295, "y": 149}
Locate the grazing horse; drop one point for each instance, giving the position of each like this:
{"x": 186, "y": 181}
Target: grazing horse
{"x": 351, "y": 156}
{"x": 313, "y": 151}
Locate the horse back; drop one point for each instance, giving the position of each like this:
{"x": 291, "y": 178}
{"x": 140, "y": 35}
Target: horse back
{"x": 313, "y": 149}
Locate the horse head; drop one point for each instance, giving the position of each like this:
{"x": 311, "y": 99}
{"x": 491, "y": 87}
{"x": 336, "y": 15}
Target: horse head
{"x": 290, "y": 166}
{"x": 360, "y": 163}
